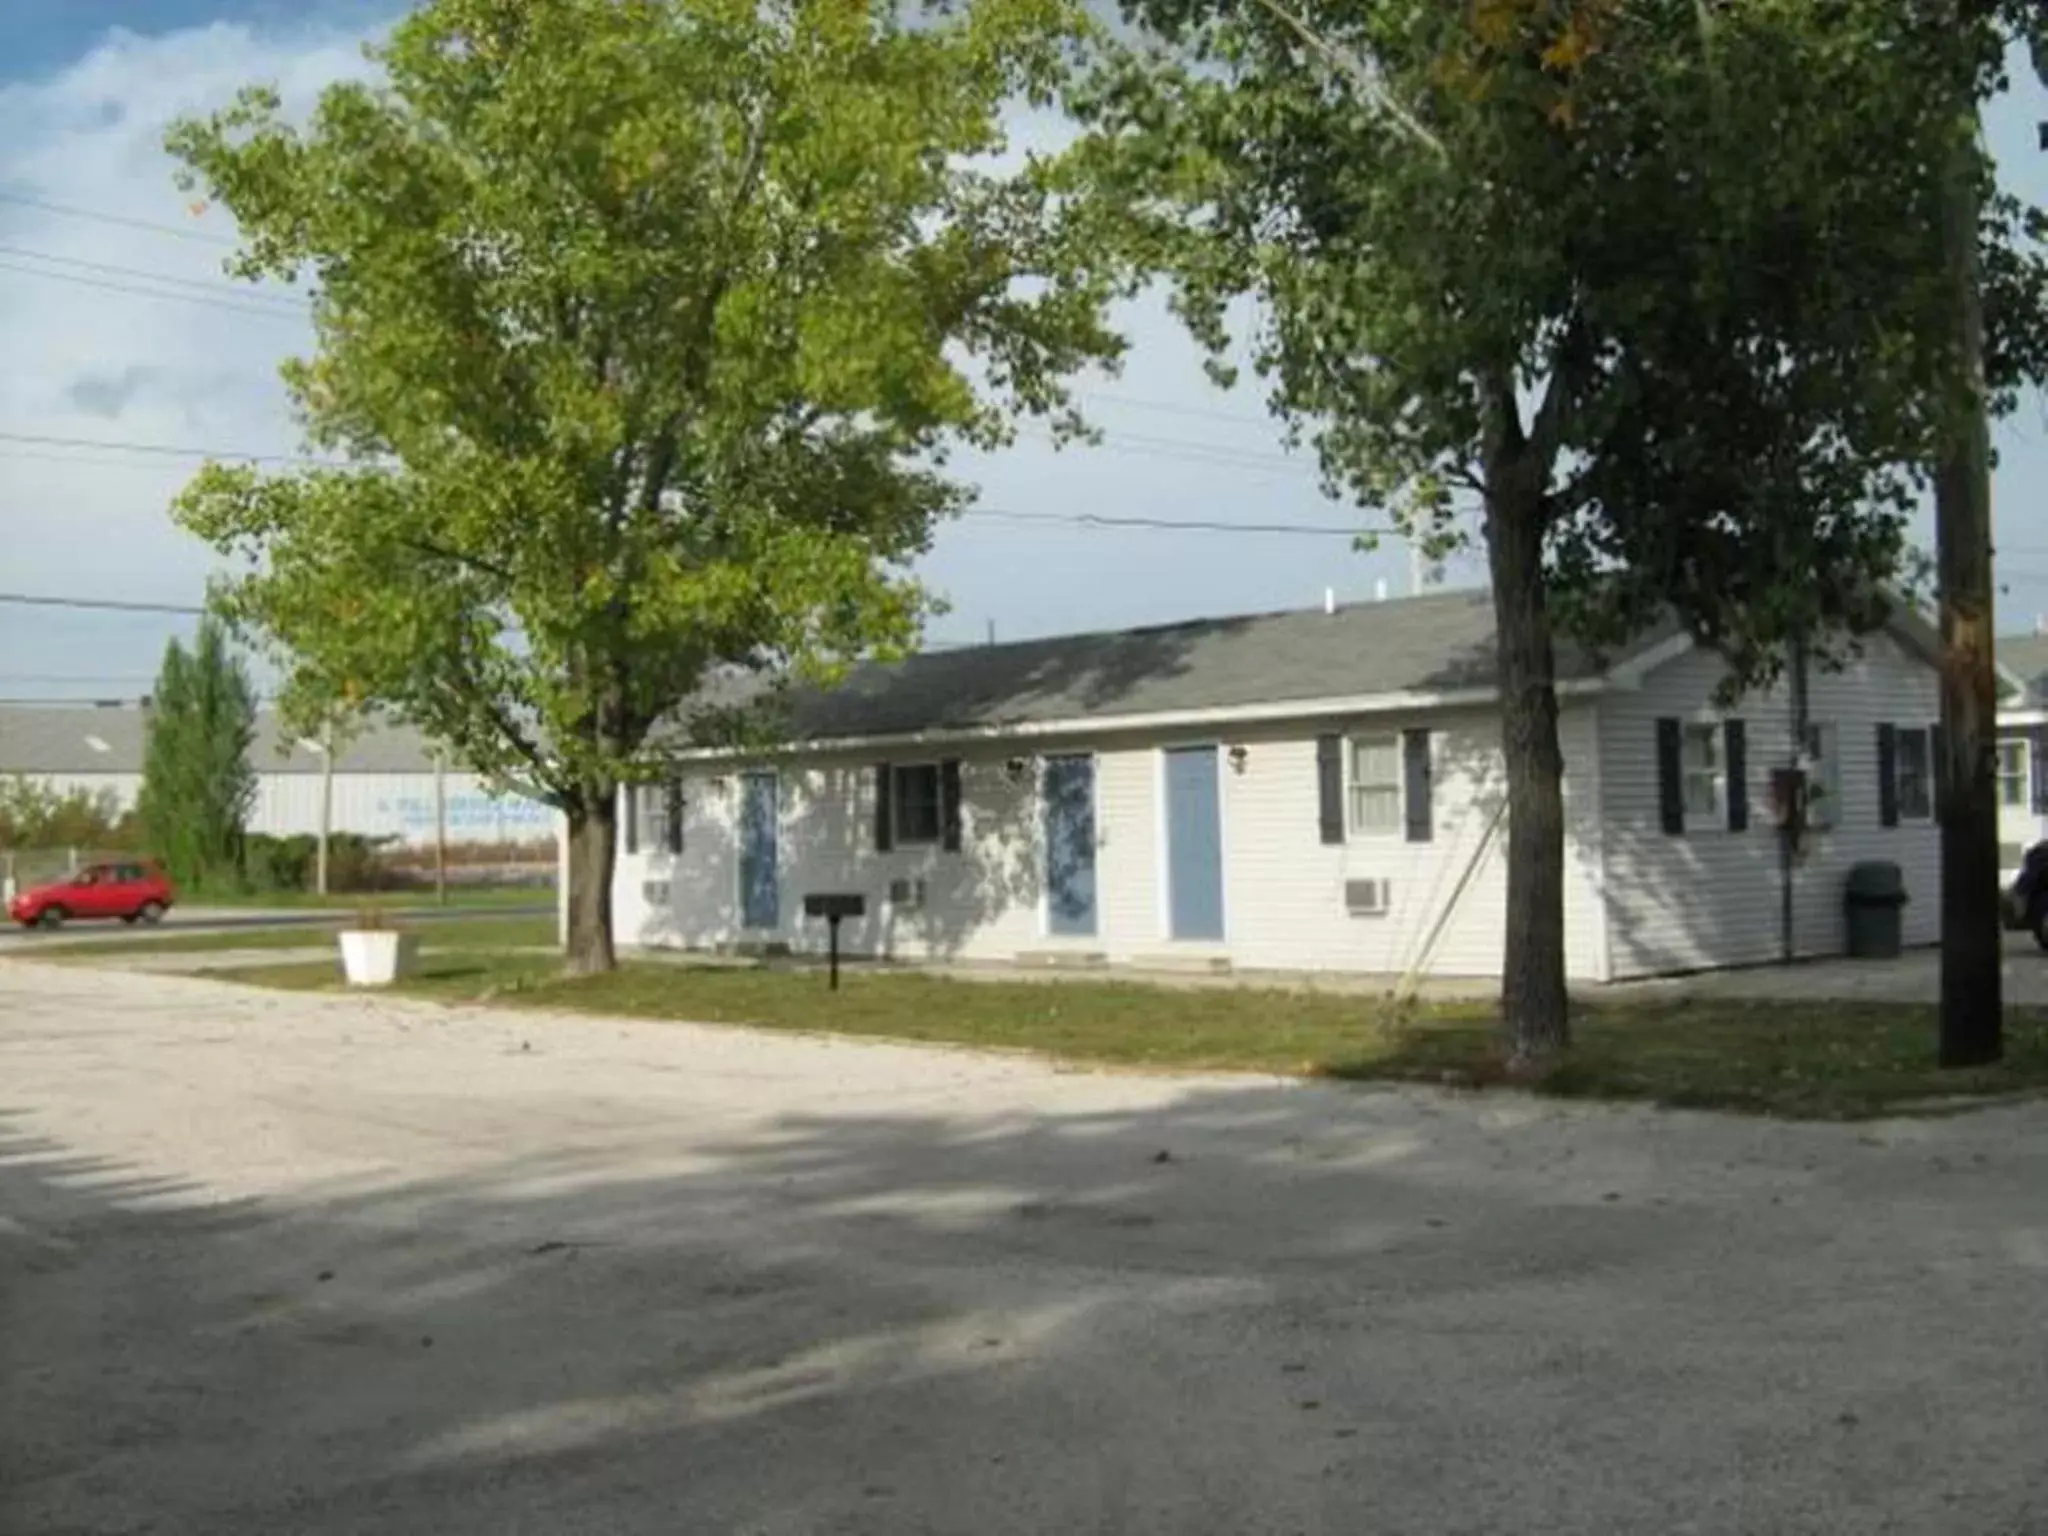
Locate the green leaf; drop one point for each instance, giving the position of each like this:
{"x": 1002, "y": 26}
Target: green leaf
{"x": 643, "y": 329}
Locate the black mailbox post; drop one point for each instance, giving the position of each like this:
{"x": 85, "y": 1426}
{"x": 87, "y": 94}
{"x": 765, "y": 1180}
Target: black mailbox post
{"x": 833, "y": 908}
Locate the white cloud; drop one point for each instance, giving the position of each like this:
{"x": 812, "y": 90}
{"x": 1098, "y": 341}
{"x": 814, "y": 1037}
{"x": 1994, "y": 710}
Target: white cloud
{"x": 86, "y": 360}
{"x": 89, "y": 362}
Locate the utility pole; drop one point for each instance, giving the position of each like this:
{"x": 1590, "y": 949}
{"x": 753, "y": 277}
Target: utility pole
{"x": 1800, "y": 722}
{"x": 1972, "y": 1005}
{"x": 326, "y": 751}
{"x": 441, "y": 827}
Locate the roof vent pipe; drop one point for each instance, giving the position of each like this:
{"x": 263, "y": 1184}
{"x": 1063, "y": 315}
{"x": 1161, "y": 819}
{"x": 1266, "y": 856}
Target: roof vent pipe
{"x": 1329, "y": 599}
{"x": 1379, "y": 590}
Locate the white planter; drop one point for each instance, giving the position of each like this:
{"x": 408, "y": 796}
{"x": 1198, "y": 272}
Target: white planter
{"x": 376, "y": 959}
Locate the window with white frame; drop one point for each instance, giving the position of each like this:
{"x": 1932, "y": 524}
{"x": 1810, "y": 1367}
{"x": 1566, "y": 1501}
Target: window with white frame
{"x": 1376, "y": 784}
{"x": 918, "y": 816}
{"x": 1705, "y": 774}
{"x": 660, "y": 818}
{"x": 1823, "y": 776}
{"x": 1915, "y": 769}
{"x": 2015, "y": 773}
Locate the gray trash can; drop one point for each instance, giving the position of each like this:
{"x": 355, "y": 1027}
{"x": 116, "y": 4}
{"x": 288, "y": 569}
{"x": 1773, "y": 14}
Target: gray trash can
{"x": 1872, "y": 901}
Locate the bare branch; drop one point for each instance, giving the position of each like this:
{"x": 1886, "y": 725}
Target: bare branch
{"x": 458, "y": 557}
{"x": 1362, "y": 75}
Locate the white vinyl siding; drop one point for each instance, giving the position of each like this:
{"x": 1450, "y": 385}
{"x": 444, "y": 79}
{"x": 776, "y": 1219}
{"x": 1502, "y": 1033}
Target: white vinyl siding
{"x": 1284, "y": 888}
{"x": 1678, "y": 904}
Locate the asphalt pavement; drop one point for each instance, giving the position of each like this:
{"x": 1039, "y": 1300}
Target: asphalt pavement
{"x": 201, "y": 919}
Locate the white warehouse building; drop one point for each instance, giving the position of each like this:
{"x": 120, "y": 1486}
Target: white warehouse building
{"x": 383, "y": 784}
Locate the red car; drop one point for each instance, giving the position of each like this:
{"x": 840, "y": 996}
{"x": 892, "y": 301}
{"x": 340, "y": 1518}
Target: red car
{"x": 134, "y": 892}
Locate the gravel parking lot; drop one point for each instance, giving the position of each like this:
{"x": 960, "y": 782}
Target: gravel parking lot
{"x": 277, "y": 1264}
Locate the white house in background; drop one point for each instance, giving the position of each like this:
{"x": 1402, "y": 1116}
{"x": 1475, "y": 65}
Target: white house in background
{"x": 2023, "y": 744}
{"x": 1312, "y": 791}
{"x": 383, "y": 780}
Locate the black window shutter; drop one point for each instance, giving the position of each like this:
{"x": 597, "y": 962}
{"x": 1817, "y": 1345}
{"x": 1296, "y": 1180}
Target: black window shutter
{"x": 632, "y": 794}
{"x": 949, "y": 803}
{"x": 1330, "y": 787}
{"x": 2039, "y": 763}
{"x": 885, "y": 830}
{"x": 1937, "y": 749}
{"x": 1736, "y": 736}
{"x": 1671, "y": 776}
{"x": 1887, "y": 776}
{"x": 673, "y": 815}
{"x": 1415, "y": 785}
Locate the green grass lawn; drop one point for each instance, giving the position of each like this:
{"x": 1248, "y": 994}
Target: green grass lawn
{"x": 1798, "y": 1060}
{"x": 465, "y": 898}
{"x": 492, "y": 935}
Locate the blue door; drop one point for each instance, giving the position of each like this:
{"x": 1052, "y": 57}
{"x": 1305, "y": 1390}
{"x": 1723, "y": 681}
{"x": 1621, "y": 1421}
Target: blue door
{"x": 1070, "y": 845}
{"x": 760, "y": 882}
{"x": 1194, "y": 844}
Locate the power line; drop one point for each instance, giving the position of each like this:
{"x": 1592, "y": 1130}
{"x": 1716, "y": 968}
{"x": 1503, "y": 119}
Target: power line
{"x": 1182, "y": 525}
{"x": 1181, "y": 450}
{"x": 1174, "y": 408}
{"x": 213, "y": 288}
{"x": 75, "y": 679}
{"x": 168, "y": 450}
{"x": 130, "y": 289}
{"x": 73, "y": 211}
{"x": 96, "y": 604}
{"x": 1085, "y": 519}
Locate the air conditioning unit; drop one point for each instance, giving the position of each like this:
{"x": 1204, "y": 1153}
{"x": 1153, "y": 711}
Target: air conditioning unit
{"x": 907, "y": 895}
{"x": 1368, "y": 898}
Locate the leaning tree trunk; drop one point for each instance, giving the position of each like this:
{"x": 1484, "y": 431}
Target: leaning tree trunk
{"x": 593, "y": 854}
{"x": 1534, "y": 1005}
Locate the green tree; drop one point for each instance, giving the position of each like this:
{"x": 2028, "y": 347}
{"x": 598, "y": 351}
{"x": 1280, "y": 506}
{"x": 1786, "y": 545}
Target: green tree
{"x": 1528, "y": 250}
{"x": 644, "y": 328}
{"x": 198, "y": 782}
{"x": 36, "y": 814}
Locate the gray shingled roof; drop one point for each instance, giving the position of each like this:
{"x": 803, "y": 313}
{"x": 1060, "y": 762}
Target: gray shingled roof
{"x": 1433, "y": 643}
{"x": 1436, "y": 643}
{"x": 2026, "y": 657}
{"x": 60, "y": 739}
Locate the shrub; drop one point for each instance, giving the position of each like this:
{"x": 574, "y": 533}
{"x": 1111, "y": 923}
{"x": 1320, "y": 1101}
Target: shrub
{"x": 34, "y": 814}
{"x": 278, "y": 863}
{"x": 354, "y": 863}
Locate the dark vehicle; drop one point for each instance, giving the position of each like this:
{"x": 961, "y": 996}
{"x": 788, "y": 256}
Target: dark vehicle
{"x": 2026, "y": 903}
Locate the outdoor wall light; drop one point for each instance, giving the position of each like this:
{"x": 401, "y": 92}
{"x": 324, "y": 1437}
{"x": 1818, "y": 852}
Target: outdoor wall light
{"x": 1238, "y": 754}
{"x": 1016, "y": 768}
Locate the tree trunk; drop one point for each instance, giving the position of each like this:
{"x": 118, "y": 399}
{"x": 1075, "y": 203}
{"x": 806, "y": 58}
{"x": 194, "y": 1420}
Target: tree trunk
{"x": 1971, "y": 1004}
{"x": 1534, "y": 1005}
{"x": 593, "y": 852}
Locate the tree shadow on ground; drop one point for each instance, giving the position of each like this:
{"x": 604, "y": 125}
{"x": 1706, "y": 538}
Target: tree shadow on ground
{"x": 1240, "y": 1308}
{"x": 860, "y": 1321}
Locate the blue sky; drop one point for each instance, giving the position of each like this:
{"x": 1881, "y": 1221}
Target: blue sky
{"x": 87, "y": 89}
{"x": 44, "y": 35}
